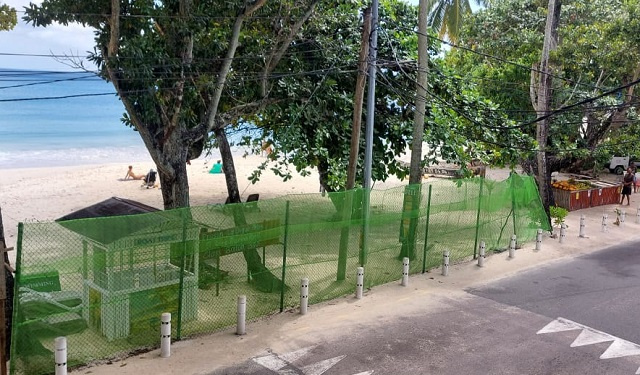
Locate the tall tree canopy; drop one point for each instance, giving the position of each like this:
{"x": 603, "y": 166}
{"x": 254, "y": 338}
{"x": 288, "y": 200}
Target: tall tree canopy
{"x": 8, "y": 17}
{"x": 597, "y": 51}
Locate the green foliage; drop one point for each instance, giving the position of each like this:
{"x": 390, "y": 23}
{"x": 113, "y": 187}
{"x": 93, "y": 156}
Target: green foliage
{"x": 558, "y": 214}
{"x": 8, "y": 18}
{"x": 598, "y": 50}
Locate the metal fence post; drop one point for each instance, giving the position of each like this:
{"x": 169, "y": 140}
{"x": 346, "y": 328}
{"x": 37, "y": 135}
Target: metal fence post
{"x": 405, "y": 271}
{"x": 61, "y": 355}
{"x": 475, "y": 245}
{"x": 445, "y": 263}
{"x": 359, "y": 282}
{"x": 242, "y": 315}
{"x": 304, "y": 295}
{"x": 582, "y": 227}
{"x": 284, "y": 255}
{"x": 426, "y": 231}
{"x": 165, "y": 335}
{"x": 182, "y": 265}
{"x": 512, "y": 247}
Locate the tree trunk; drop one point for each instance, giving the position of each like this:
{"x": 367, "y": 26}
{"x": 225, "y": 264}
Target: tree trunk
{"x": 172, "y": 172}
{"x": 262, "y": 278}
{"x": 412, "y": 192}
{"x": 543, "y": 105}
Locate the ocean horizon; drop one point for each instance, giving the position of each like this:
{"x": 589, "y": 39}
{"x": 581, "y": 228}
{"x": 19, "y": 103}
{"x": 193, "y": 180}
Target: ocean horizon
{"x": 52, "y": 119}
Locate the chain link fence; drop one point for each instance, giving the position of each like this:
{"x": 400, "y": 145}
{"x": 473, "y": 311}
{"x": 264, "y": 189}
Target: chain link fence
{"x": 104, "y": 282}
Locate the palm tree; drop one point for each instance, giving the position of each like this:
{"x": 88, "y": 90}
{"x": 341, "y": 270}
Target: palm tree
{"x": 446, "y": 16}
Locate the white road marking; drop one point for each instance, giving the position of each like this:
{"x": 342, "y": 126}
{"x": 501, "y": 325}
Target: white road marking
{"x": 321, "y": 367}
{"x": 618, "y": 348}
{"x": 277, "y": 363}
{"x": 621, "y": 348}
{"x": 591, "y": 336}
{"x": 271, "y": 361}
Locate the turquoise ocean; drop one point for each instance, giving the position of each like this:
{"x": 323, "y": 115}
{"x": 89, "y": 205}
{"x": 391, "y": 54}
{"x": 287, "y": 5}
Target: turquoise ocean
{"x": 63, "y": 119}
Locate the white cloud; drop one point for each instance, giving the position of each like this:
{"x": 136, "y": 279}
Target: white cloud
{"x": 56, "y": 39}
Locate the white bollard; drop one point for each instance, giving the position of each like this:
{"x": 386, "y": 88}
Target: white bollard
{"x": 604, "y": 222}
{"x": 304, "y": 295}
{"x": 359, "y": 282}
{"x": 445, "y": 263}
{"x": 582, "y": 227}
{"x": 563, "y": 232}
{"x": 512, "y": 247}
{"x": 165, "y": 335}
{"x": 539, "y": 240}
{"x": 481, "y": 254}
{"x": 623, "y": 217}
{"x": 242, "y": 315}
{"x": 638, "y": 216}
{"x": 405, "y": 271}
{"x": 61, "y": 355}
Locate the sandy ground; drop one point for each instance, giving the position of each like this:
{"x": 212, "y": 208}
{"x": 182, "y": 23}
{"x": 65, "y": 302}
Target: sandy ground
{"x": 45, "y": 194}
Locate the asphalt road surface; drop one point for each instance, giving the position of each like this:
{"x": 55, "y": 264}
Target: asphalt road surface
{"x": 576, "y": 316}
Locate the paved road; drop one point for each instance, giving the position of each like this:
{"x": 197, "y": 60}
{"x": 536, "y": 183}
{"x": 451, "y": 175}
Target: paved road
{"x": 577, "y": 316}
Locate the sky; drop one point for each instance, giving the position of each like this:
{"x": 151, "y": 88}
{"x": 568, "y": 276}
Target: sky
{"x": 56, "y": 39}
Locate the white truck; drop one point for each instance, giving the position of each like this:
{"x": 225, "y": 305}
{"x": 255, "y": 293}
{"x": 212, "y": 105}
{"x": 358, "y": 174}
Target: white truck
{"x": 619, "y": 164}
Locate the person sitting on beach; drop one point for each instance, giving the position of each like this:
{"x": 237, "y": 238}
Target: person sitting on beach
{"x": 131, "y": 175}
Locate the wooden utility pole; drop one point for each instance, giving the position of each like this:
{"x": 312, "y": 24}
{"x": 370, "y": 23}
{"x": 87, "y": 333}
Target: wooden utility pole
{"x": 347, "y": 206}
{"x": 358, "y": 99}
{"x": 543, "y": 101}
{"x": 4, "y": 262}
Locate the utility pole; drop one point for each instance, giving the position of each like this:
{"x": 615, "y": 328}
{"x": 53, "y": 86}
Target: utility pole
{"x": 347, "y": 206}
{"x": 543, "y": 101}
{"x": 368, "y": 154}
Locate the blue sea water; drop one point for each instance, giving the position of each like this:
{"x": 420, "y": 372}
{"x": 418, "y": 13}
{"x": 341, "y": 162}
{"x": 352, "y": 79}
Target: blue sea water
{"x": 84, "y": 128}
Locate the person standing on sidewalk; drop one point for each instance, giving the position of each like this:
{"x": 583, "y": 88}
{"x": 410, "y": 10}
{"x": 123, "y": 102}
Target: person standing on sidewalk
{"x": 627, "y": 181}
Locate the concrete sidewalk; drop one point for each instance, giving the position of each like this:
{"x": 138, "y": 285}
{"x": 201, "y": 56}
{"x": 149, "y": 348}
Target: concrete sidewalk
{"x": 334, "y": 319}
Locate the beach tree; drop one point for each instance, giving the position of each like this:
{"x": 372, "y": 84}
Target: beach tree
{"x": 187, "y": 70}
{"x": 597, "y": 52}
{"x": 8, "y": 17}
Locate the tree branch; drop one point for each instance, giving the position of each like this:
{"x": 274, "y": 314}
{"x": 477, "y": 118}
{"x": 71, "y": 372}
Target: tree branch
{"x": 278, "y": 52}
{"x": 210, "y": 119}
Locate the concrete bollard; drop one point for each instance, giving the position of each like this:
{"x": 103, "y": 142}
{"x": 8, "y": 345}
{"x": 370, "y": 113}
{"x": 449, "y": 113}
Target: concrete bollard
{"x": 405, "y": 271}
{"x": 483, "y": 248}
{"x": 582, "y": 227}
{"x": 359, "y": 282}
{"x": 304, "y": 295}
{"x": 512, "y": 247}
{"x": 242, "y": 315}
{"x": 445, "y": 263}
{"x": 623, "y": 217}
{"x": 61, "y": 355}
{"x": 563, "y": 232}
{"x": 638, "y": 216}
{"x": 165, "y": 335}
{"x": 604, "y": 222}
{"x": 539, "y": 240}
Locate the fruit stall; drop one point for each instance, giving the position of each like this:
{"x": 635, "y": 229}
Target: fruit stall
{"x": 575, "y": 194}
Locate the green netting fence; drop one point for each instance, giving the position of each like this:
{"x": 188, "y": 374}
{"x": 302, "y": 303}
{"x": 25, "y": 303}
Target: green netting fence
{"x": 104, "y": 282}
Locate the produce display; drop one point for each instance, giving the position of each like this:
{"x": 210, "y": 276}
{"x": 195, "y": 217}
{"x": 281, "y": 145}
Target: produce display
{"x": 571, "y": 185}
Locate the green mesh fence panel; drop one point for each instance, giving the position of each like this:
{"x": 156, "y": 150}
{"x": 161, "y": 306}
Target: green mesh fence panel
{"x": 103, "y": 283}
